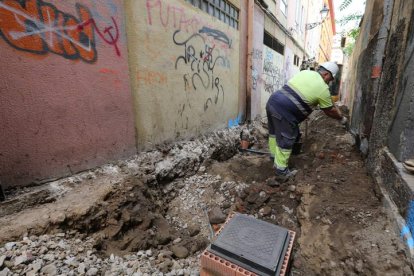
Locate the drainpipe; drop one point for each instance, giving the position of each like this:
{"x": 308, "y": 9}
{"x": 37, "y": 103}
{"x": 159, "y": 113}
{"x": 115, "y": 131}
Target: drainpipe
{"x": 377, "y": 67}
{"x": 307, "y": 55}
{"x": 250, "y": 15}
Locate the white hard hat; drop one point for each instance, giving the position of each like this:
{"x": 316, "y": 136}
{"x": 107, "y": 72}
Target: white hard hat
{"x": 332, "y": 67}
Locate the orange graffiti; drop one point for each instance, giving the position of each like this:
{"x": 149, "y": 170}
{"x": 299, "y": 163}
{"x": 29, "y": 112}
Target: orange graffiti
{"x": 151, "y": 77}
{"x": 38, "y": 27}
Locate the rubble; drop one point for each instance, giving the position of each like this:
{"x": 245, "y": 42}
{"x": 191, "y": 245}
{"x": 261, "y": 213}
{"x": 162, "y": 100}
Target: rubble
{"x": 154, "y": 214}
{"x": 26, "y": 258}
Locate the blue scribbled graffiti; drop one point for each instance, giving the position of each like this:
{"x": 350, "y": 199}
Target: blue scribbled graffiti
{"x": 273, "y": 76}
{"x": 408, "y": 229}
{"x": 217, "y": 35}
{"x": 236, "y": 122}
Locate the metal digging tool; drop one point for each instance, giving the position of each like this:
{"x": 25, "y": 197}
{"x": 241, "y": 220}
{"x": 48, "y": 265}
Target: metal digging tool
{"x": 306, "y": 129}
{"x": 2, "y": 194}
{"x": 255, "y": 151}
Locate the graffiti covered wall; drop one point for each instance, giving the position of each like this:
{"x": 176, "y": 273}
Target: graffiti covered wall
{"x": 273, "y": 76}
{"x": 64, "y": 90}
{"x": 256, "y": 61}
{"x": 184, "y": 70}
{"x": 290, "y": 68}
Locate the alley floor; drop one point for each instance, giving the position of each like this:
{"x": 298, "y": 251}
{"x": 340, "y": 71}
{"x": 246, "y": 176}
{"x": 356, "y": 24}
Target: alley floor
{"x": 155, "y": 214}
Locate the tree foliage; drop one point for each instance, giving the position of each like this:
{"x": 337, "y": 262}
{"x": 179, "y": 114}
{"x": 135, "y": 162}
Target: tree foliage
{"x": 344, "y": 20}
{"x": 352, "y": 36}
{"x": 354, "y": 33}
{"x": 345, "y": 4}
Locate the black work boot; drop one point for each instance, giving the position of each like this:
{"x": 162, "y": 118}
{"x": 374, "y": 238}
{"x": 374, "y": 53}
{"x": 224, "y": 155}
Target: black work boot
{"x": 283, "y": 176}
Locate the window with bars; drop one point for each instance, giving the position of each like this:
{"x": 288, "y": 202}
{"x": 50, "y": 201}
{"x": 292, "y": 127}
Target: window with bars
{"x": 283, "y": 6}
{"x": 273, "y": 43}
{"x": 221, "y": 9}
{"x": 296, "y": 60}
{"x": 298, "y": 15}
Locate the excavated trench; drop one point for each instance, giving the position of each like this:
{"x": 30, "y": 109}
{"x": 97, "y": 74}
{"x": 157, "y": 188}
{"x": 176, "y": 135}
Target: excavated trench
{"x": 134, "y": 218}
{"x": 169, "y": 201}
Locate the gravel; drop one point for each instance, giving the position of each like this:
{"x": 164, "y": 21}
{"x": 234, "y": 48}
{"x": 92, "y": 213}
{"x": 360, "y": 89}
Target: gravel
{"x": 69, "y": 254}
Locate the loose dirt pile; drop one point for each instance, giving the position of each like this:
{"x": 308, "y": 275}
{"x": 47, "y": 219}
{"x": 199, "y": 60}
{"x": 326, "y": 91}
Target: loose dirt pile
{"x": 155, "y": 213}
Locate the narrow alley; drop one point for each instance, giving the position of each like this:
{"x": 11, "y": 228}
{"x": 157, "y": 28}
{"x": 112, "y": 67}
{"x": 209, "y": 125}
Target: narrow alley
{"x": 136, "y": 132}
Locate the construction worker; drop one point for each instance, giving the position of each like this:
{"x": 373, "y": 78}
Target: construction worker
{"x": 292, "y": 104}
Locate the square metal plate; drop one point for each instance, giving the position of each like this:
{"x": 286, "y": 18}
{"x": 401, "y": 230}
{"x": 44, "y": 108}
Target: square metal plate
{"x": 253, "y": 244}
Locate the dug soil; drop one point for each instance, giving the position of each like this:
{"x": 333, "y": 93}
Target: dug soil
{"x": 342, "y": 225}
{"x": 333, "y": 204}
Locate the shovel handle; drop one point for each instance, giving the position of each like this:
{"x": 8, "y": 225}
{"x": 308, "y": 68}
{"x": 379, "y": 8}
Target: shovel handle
{"x": 306, "y": 129}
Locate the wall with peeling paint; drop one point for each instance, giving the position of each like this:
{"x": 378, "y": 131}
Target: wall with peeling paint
{"x": 381, "y": 81}
{"x": 64, "y": 88}
{"x": 391, "y": 140}
{"x": 356, "y": 91}
{"x": 381, "y": 89}
{"x": 184, "y": 70}
{"x": 402, "y": 126}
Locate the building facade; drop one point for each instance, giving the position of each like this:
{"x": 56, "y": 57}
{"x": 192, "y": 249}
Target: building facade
{"x": 98, "y": 81}
{"x": 279, "y": 44}
{"x": 327, "y": 33}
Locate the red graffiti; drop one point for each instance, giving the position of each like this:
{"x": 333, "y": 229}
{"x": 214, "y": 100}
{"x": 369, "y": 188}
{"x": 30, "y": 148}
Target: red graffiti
{"x": 172, "y": 16}
{"x": 209, "y": 53}
{"x": 113, "y": 40}
{"x": 38, "y": 27}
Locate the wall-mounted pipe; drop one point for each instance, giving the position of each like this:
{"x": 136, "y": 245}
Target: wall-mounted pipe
{"x": 250, "y": 18}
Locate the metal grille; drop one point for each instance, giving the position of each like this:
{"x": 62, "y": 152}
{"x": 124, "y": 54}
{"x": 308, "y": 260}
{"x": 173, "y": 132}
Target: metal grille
{"x": 221, "y": 9}
{"x": 273, "y": 43}
{"x": 284, "y": 6}
{"x": 296, "y": 60}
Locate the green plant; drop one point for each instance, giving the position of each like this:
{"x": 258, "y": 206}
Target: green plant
{"x": 345, "y": 4}
{"x": 352, "y": 35}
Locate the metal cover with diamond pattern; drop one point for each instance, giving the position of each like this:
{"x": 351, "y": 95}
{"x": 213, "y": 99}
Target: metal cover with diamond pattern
{"x": 253, "y": 244}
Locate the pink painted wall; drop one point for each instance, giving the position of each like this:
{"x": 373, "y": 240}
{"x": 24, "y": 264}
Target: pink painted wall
{"x": 243, "y": 20}
{"x": 257, "y": 61}
{"x": 65, "y": 100}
